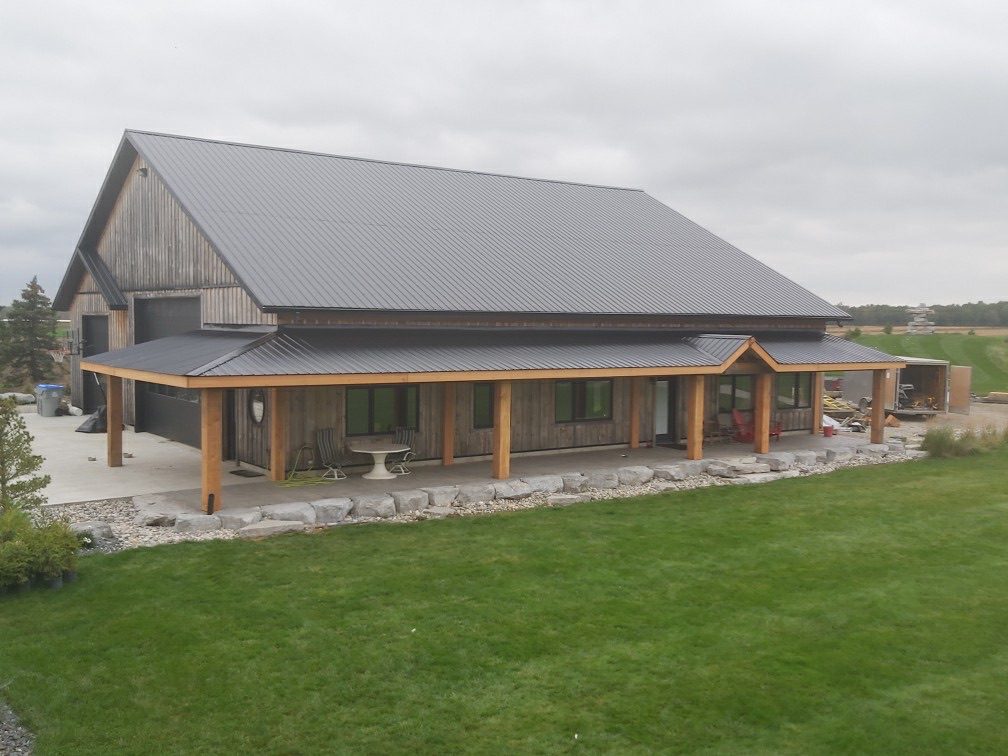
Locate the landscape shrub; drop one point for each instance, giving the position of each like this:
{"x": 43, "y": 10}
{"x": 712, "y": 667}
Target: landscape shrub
{"x": 15, "y": 564}
{"x": 28, "y": 552}
{"x": 947, "y": 442}
{"x": 887, "y": 329}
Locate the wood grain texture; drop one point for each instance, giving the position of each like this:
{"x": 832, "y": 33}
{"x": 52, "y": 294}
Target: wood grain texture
{"x": 277, "y": 408}
{"x": 501, "y": 463}
{"x": 878, "y": 406}
{"x": 114, "y": 420}
{"x": 211, "y": 430}
{"x": 447, "y": 423}
{"x": 817, "y": 404}
{"x": 695, "y": 402}
{"x": 634, "y": 411}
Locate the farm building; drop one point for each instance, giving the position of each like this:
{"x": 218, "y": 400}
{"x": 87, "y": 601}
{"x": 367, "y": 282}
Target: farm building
{"x": 241, "y": 298}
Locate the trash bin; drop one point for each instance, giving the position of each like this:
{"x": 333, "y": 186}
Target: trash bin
{"x": 47, "y": 398}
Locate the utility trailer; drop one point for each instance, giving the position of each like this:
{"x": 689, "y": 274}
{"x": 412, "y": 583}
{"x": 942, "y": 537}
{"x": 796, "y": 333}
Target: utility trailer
{"x": 923, "y": 388}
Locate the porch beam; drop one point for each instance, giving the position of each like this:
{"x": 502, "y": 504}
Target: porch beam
{"x": 211, "y": 406}
{"x": 694, "y": 416}
{"x": 878, "y": 406}
{"x": 817, "y": 402}
{"x": 114, "y": 420}
{"x": 447, "y": 423}
{"x": 501, "y": 464}
{"x": 761, "y": 412}
{"x": 278, "y": 419}
{"x": 635, "y": 412}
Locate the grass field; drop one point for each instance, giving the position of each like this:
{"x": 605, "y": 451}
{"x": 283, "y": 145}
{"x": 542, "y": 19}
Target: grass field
{"x": 863, "y": 611}
{"x": 987, "y": 355}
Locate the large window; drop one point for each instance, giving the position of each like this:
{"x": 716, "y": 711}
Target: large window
{"x": 735, "y": 392}
{"x": 483, "y": 415}
{"x": 576, "y": 401}
{"x": 372, "y": 410}
{"x": 794, "y": 390}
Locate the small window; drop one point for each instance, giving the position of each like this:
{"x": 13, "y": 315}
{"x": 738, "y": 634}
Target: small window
{"x": 375, "y": 410}
{"x": 582, "y": 400}
{"x": 735, "y": 392}
{"x": 483, "y": 405}
{"x": 794, "y": 390}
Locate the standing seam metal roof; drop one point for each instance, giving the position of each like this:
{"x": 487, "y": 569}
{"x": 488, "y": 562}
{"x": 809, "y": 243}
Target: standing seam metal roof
{"x": 307, "y": 230}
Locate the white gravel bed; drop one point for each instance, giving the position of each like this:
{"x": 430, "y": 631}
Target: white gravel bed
{"x": 14, "y": 738}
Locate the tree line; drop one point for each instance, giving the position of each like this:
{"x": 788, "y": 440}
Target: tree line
{"x": 27, "y": 330}
{"x": 969, "y": 314}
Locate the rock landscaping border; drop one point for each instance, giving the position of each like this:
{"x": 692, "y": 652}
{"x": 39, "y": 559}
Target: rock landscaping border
{"x": 154, "y": 519}
{"x": 14, "y": 737}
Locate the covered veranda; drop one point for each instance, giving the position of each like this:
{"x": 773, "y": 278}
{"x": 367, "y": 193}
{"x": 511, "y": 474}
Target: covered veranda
{"x": 279, "y": 361}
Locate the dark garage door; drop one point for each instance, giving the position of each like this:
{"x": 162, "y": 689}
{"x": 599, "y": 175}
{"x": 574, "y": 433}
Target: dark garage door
{"x": 95, "y": 334}
{"x": 166, "y": 410}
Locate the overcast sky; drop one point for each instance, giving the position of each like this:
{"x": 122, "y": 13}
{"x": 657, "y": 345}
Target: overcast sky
{"x": 859, "y": 148}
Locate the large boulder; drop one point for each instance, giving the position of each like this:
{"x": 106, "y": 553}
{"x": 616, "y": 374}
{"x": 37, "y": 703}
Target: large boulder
{"x": 154, "y": 519}
{"x": 563, "y": 499}
{"x": 512, "y": 489}
{"x": 410, "y": 501}
{"x": 777, "y": 461}
{"x": 293, "y": 510}
{"x": 95, "y": 532}
{"x": 190, "y": 522}
{"x": 472, "y": 493}
{"x": 669, "y": 472}
{"x": 18, "y": 398}
{"x": 329, "y": 511}
{"x": 265, "y": 528}
{"x": 634, "y": 475}
{"x": 602, "y": 480}
{"x": 806, "y": 458}
{"x": 875, "y": 450}
{"x": 839, "y": 455}
{"x": 373, "y": 505}
{"x": 750, "y": 468}
{"x": 574, "y": 482}
{"x": 441, "y": 496}
{"x": 722, "y": 470}
{"x": 693, "y": 467}
{"x": 545, "y": 483}
{"x": 236, "y": 519}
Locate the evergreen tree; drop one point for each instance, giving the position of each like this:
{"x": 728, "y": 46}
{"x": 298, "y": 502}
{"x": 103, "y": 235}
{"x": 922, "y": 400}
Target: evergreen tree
{"x": 20, "y": 486}
{"x": 30, "y": 330}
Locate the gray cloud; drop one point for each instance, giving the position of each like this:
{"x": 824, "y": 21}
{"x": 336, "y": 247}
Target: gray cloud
{"x": 856, "y": 147}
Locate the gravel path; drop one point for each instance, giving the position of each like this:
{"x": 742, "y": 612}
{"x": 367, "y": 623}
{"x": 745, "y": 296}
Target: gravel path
{"x": 14, "y": 739}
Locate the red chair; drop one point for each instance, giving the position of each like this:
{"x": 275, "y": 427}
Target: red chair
{"x": 744, "y": 431}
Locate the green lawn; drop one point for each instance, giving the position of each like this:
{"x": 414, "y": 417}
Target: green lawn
{"x": 864, "y": 611}
{"x": 987, "y": 355}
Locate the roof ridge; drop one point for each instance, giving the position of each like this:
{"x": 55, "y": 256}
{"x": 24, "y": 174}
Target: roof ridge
{"x": 383, "y": 162}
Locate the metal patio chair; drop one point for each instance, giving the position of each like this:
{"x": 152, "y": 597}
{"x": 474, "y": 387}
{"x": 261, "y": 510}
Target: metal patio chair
{"x": 330, "y": 455}
{"x": 397, "y": 462}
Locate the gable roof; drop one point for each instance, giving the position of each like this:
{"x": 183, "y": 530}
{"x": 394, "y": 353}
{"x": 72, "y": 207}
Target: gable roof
{"x": 303, "y": 230}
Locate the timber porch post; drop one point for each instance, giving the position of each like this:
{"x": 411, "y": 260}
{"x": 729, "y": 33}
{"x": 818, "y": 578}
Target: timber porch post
{"x": 694, "y": 416}
{"x": 817, "y": 402}
{"x": 635, "y": 408}
{"x": 211, "y": 431}
{"x": 761, "y": 412}
{"x": 114, "y": 420}
{"x": 501, "y": 464}
{"x": 447, "y": 423}
{"x": 277, "y": 410}
{"x": 878, "y": 400}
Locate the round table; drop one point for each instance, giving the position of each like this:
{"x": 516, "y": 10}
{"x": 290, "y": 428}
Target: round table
{"x": 379, "y": 451}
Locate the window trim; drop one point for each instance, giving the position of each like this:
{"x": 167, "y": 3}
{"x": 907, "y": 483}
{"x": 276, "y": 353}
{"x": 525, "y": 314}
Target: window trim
{"x": 493, "y": 419}
{"x": 401, "y": 409}
{"x": 574, "y": 399}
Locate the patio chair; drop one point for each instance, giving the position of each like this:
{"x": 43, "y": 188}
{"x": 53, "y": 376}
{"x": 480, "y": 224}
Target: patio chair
{"x": 397, "y": 462}
{"x": 330, "y": 455}
{"x": 744, "y": 430}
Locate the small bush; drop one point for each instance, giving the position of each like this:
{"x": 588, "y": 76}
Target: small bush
{"x": 971, "y": 332}
{"x": 852, "y": 333}
{"x": 28, "y": 552}
{"x": 15, "y": 564}
{"x": 887, "y": 329}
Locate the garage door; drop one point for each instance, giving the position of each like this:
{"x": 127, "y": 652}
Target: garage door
{"x": 167, "y": 410}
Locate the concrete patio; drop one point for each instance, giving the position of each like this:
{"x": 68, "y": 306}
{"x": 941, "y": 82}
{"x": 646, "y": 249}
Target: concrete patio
{"x": 159, "y": 466}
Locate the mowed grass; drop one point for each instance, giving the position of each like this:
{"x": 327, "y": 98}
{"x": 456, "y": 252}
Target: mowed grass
{"x": 864, "y": 611}
{"x": 987, "y": 355}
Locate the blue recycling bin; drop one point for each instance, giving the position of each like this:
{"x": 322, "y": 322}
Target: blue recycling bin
{"x": 47, "y": 398}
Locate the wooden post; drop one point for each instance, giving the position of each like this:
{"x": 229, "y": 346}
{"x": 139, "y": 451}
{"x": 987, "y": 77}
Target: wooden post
{"x": 817, "y": 402}
{"x": 694, "y": 416}
{"x": 211, "y": 404}
{"x": 447, "y": 423}
{"x": 878, "y": 397}
{"x": 114, "y": 420}
{"x": 277, "y": 410}
{"x": 502, "y": 430}
{"x": 635, "y": 408}
{"x": 762, "y": 407}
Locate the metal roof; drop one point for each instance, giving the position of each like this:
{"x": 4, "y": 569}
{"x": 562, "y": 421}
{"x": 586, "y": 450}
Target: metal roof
{"x": 342, "y": 351}
{"x": 104, "y": 280}
{"x": 818, "y": 348}
{"x": 303, "y": 230}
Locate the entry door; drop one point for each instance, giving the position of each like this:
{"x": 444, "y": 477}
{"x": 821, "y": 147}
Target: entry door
{"x": 665, "y": 414}
{"x": 95, "y": 334}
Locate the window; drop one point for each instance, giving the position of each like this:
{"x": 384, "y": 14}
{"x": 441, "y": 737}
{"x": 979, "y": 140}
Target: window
{"x": 183, "y": 394}
{"x": 483, "y": 415}
{"x": 794, "y": 390}
{"x": 582, "y": 400}
{"x": 373, "y": 410}
{"x": 735, "y": 392}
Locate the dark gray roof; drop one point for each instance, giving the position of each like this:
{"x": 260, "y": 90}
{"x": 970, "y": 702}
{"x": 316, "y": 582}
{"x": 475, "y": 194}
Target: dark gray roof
{"x": 307, "y": 230}
{"x": 819, "y": 348}
{"x": 103, "y": 279}
{"x": 341, "y": 351}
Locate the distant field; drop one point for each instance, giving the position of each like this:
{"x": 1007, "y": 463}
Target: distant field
{"x": 987, "y": 355}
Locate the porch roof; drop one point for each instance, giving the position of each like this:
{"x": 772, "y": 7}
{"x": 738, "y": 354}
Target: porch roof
{"x": 292, "y": 356}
